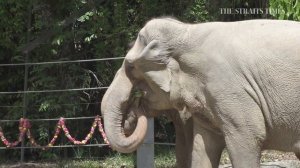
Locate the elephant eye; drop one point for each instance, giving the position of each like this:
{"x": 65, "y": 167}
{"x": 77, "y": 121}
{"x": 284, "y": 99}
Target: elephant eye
{"x": 142, "y": 39}
{"x": 128, "y": 64}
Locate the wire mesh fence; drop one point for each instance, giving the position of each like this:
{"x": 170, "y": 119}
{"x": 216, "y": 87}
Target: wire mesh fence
{"x": 25, "y": 92}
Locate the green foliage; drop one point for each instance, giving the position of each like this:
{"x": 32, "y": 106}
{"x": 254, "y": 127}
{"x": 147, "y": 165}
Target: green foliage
{"x": 286, "y": 9}
{"x": 55, "y": 30}
{"x": 165, "y": 157}
{"x": 198, "y": 12}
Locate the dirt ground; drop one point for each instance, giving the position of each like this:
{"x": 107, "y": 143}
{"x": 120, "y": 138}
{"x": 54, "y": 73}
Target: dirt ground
{"x": 269, "y": 159}
{"x": 267, "y": 156}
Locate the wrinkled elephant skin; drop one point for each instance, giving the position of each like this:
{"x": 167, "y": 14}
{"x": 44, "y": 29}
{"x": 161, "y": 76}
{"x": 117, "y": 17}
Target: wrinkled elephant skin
{"x": 238, "y": 81}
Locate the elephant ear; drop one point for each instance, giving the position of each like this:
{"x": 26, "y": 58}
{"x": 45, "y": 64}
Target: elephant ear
{"x": 161, "y": 78}
{"x": 153, "y": 62}
{"x": 155, "y": 53}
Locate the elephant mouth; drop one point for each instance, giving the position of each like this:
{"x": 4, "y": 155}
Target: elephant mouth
{"x": 137, "y": 106}
{"x": 137, "y": 94}
{"x": 137, "y": 100}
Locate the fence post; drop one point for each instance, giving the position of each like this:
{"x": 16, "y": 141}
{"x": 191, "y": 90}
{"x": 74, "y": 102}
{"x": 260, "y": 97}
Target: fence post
{"x": 25, "y": 101}
{"x": 145, "y": 153}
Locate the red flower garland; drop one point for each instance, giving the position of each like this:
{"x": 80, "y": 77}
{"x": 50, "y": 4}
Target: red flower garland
{"x": 24, "y": 127}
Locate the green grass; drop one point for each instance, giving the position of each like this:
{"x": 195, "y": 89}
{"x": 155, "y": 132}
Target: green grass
{"x": 164, "y": 158}
{"x": 113, "y": 161}
{"x": 118, "y": 160}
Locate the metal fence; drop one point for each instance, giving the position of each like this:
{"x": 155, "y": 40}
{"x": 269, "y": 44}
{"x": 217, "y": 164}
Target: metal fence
{"x": 145, "y": 154}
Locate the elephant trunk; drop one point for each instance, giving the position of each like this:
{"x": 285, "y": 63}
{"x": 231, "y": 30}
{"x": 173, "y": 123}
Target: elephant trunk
{"x": 114, "y": 106}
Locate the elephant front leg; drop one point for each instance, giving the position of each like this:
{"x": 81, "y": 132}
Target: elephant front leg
{"x": 243, "y": 126}
{"x": 184, "y": 142}
{"x": 243, "y": 154}
{"x": 183, "y": 124}
{"x": 207, "y": 147}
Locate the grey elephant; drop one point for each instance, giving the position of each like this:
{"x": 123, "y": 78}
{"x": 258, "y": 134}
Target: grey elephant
{"x": 240, "y": 81}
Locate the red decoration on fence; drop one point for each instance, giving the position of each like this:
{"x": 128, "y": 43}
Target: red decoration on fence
{"x": 24, "y": 128}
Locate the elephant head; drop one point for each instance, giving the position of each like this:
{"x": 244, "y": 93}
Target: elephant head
{"x": 151, "y": 69}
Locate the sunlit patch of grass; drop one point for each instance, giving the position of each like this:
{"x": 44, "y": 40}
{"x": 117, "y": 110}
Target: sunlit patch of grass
{"x": 79, "y": 164}
{"x": 165, "y": 157}
{"x": 118, "y": 161}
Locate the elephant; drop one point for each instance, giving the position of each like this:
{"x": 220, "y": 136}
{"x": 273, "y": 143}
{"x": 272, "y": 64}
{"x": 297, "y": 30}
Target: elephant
{"x": 239, "y": 81}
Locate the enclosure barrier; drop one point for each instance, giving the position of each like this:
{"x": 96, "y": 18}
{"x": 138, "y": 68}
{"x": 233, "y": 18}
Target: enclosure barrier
{"x": 145, "y": 154}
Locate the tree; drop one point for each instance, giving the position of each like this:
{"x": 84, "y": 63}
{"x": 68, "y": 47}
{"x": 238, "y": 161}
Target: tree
{"x": 285, "y": 9}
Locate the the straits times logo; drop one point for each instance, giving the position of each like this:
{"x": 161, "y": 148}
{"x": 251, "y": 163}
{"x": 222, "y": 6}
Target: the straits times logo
{"x": 250, "y": 11}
